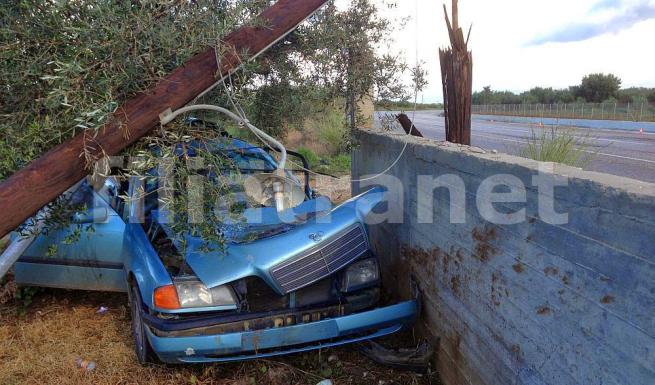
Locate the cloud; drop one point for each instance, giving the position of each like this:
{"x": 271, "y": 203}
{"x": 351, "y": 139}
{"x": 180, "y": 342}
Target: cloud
{"x": 587, "y": 30}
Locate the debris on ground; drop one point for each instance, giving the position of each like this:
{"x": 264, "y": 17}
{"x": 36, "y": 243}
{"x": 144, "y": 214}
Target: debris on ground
{"x": 338, "y": 190}
{"x": 416, "y": 359}
{"x": 102, "y": 310}
{"x": 85, "y": 364}
{"x": 7, "y": 289}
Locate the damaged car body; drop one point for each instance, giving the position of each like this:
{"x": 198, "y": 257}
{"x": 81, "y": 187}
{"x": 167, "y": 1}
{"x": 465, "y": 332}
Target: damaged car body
{"x": 286, "y": 281}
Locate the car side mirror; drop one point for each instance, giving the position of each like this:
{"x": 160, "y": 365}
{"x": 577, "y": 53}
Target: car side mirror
{"x": 93, "y": 215}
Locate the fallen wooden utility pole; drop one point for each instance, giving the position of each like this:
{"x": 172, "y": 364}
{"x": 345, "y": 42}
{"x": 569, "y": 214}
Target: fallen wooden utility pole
{"x": 34, "y": 186}
{"x": 457, "y": 81}
{"x": 408, "y": 125}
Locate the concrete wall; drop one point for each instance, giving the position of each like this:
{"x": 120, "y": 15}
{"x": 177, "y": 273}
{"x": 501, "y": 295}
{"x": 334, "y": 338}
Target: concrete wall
{"x": 530, "y": 303}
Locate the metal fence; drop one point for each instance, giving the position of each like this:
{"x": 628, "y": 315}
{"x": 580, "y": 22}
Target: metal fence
{"x": 636, "y": 112}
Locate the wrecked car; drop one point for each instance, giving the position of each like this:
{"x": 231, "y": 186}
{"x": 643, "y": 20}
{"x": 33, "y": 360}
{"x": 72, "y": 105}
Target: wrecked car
{"x": 286, "y": 281}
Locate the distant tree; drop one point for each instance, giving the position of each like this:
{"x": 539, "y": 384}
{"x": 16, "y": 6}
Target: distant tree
{"x": 486, "y": 95}
{"x": 636, "y": 95}
{"x": 339, "y": 52}
{"x": 651, "y": 97}
{"x": 597, "y": 88}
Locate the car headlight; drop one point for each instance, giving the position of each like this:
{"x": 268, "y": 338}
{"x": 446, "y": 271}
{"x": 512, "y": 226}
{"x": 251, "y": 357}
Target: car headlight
{"x": 189, "y": 292}
{"x": 193, "y": 293}
{"x": 360, "y": 274}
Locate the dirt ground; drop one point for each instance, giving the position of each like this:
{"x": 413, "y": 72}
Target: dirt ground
{"x": 41, "y": 342}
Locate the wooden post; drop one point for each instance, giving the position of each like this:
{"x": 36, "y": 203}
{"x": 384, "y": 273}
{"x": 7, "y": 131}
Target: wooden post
{"x": 457, "y": 81}
{"x": 44, "y": 179}
{"x": 408, "y": 125}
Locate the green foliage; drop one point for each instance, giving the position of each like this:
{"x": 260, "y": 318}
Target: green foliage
{"x": 310, "y": 155}
{"x": 636, "y": 95}
{"x": 277, "y": 105}
{"x": 651, "y": 96}
{"x": 599, "y": 87}
{"x": 594, "y": 88}
{"x": 332, "y": 130}
{"x": 558, "y": 145}
{"x": 340, "y": 164}
{"x": 335, "y": 56}
{"x": 195, "y": 191}
{"x": 535, "y": 95}
{"x": 67, "y": 65}
{"x": 25, "y": 296}
{"x": 392, "y": 105}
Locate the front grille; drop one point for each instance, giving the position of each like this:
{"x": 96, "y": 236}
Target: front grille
{"x": 321, "y": 261}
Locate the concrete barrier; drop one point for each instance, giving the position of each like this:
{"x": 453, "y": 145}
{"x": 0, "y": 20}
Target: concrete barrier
{"x": 534, "y": 302}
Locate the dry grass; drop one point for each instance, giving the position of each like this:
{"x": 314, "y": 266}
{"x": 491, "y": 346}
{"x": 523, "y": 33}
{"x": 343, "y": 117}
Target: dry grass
{"x": 41, "y": 346}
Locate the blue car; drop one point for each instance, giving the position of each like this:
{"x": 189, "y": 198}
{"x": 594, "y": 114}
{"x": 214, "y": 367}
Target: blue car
{"x": 285, "y": 282}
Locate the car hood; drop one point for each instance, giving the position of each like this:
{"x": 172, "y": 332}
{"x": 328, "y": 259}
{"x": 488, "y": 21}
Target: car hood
{"x": 256, "y": 258}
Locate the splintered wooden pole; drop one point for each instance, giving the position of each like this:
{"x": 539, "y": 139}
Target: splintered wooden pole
{"x": 408, "y": 125}
{"x": 457, "y": 81}
{"x": 43, "y": 180}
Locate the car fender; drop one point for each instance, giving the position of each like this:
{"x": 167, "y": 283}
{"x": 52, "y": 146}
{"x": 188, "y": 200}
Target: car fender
{"x": 142, "y": 263}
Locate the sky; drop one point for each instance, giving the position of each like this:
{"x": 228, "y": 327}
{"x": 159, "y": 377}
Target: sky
{"x": 520, "y": 44}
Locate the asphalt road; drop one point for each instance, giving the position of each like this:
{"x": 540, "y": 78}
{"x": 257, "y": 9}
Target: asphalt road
{"x": 619, "y": 152}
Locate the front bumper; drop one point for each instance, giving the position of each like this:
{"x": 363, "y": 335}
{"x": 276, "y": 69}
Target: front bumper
{"x": 284, "y": 340}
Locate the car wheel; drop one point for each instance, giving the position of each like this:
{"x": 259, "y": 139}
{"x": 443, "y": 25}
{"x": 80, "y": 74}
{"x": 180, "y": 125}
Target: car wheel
{"x": 144, "y": 352}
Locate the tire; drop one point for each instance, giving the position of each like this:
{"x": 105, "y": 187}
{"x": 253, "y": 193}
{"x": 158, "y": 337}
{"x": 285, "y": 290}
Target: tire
{"x": 144, "y": 352}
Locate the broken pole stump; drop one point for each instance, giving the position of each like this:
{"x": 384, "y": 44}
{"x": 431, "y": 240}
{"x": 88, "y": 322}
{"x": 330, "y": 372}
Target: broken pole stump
{"x": 45, "y": 178}
{"x": 408, "y": 125}
{"x": 457, "y": 81}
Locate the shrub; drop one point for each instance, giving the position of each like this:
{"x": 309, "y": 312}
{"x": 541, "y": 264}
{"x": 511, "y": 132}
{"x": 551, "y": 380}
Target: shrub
{"x": 310, "y": 155}
{"x": 559, "y": 146}
{"x": 332, "y": 130}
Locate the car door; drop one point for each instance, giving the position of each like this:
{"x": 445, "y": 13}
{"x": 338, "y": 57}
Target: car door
{"x": 85, "y": 254}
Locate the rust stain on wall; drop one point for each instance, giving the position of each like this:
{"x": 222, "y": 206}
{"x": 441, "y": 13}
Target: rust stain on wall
{"x": 607, "y": 299}
{"x": 496, "y": 292}
{"x": 423, "y": 260}
{"x": 454, "y": 284}
{"x": 565, "y": 279}
{"x": 484, "y": 249}
{"x": 551, "y": 271}
{"x": 544, "y": 310}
